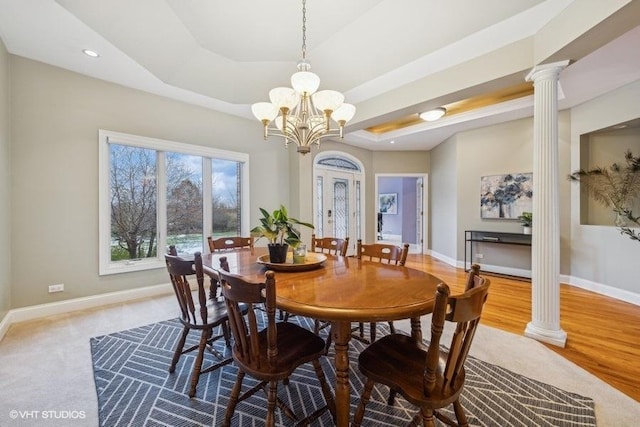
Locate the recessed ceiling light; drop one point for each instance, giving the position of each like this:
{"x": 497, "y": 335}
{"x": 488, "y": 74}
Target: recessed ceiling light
{"x": 90, "y": 53}
{"x": 434, "y": 114}
{"x": 392, "y": 142}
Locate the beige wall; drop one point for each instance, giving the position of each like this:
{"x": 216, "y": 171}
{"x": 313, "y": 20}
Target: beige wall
{"x": 5, "y": 184}
{"x": 443, "y": 201}
{"x": 458, "y": 165}
{"x": 600, "y": 254}
{"x": 56, "y": 117}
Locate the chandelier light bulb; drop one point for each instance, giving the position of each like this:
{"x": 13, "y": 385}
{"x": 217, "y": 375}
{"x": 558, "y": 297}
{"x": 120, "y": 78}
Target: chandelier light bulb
{"x": 284, "y": 97}
{"x": 264, "y": 111}
{"x": 327, "y": 100}
{"x": 344, "y": 113}
{"x": 305, "y": 82}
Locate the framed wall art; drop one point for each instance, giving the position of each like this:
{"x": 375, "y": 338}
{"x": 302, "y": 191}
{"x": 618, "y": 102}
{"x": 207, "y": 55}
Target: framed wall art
{"x": 388, "y": 203}
{"x": 506, "y": 196}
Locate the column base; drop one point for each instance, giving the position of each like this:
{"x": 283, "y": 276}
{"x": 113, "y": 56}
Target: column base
{"x": 557, "y": 337}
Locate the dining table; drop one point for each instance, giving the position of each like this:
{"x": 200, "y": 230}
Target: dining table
{"x": 341, "y": 290}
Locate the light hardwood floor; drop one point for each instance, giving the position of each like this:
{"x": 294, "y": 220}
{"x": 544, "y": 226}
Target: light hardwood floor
{"x": 603, "y": 334}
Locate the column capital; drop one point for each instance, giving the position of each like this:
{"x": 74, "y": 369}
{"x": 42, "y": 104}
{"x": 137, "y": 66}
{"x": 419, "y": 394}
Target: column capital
{"x": 551, "y": 70}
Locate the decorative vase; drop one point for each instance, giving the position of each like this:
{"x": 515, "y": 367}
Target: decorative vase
{"x": 278, "y": 252}
{"x": 526, "y": 230}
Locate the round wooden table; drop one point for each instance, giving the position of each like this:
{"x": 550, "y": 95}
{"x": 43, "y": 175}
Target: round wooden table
{"x": 342, "y": 290}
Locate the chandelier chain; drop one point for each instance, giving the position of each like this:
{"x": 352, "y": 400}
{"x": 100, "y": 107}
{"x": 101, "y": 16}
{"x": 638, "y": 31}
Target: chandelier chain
{"x": 304, "y": 29}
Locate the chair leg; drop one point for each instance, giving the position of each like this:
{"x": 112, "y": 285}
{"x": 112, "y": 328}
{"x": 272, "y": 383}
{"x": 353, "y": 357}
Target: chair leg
{"x": 197, "y": 365}
{"x": 226, "y": 333}
{"x": 233, "y": 400}
{"x": 460, "y": 415}
{"x": 271, "y": 404}
{"x": 372, "y": 332}
{"x": 179, "y": 347}
{"x": 391, "y": 400}
{"x": 392, "y": 328}
{"x": 364, "y": 399}
{"x": 326, "y": 391}
{"x": 327, "y": 346}
{"x": 428, "y": 420}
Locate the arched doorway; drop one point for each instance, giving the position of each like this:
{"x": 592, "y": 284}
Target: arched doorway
{"x": 338, "y": 196}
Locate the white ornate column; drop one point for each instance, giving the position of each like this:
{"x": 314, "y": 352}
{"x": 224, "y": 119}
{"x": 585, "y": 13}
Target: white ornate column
{"x": 545, "y": 265}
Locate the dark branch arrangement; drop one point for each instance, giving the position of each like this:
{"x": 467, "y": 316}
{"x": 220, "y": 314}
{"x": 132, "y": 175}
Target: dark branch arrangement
{"x": 616, "y": 187}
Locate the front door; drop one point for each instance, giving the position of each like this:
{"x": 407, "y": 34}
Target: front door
{"x": 338, "y": 201}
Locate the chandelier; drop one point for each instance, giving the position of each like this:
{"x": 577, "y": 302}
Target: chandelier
{"x": 303, "y": 115}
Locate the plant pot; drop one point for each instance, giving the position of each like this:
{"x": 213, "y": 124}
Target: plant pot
{"x": 278, "y": 252}
{"x": 526, "y": 230}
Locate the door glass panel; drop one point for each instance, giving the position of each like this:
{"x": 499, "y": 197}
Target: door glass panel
{"x": 340, "y": 208}
{"x": 184, "y": 202}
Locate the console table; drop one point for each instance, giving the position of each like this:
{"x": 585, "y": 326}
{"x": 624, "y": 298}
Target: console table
{"x": 493, "y": 237}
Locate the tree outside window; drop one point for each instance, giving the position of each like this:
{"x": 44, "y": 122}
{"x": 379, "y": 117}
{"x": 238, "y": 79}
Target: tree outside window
{"x": 152, "y": 197}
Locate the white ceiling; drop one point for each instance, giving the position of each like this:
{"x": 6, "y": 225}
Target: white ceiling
{"x": 389, "y": 57}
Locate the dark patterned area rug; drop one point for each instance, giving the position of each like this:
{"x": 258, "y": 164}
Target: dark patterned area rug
{"x": 135, "y": 389}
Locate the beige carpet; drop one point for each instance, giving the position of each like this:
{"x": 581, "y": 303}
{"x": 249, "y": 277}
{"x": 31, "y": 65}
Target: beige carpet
{"x": 45, "y": 366}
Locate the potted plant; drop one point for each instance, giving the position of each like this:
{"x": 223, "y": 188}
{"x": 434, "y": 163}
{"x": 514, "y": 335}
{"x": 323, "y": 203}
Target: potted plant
{"x": 279, "y": 229}
{"x": 526, "y": 219}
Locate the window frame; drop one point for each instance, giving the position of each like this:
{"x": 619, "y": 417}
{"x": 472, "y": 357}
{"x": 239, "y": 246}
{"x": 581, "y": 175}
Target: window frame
{"x": 106, "y": 137}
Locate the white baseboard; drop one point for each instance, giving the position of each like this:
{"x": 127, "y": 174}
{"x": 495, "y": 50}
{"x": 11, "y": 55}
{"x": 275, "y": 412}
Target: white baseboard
{"x": 602, "y": 289}
{"x": 452, "y": 262}
{"x": 4, "y": 324}
{"x": 42, "y": 310}
{"x": 599, "y": 288}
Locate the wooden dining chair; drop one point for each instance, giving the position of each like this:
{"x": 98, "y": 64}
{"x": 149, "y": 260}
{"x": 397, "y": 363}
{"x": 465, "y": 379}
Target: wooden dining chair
{"x": 202, "y": 314}
{"x": 230, "y": 243}
{"x": 381, "y": 252}
{"x": 386, "y": 254}
{"x": 270, "y": 354}
{"x": 429, "y": 378}
{"x": 330, "y": 245}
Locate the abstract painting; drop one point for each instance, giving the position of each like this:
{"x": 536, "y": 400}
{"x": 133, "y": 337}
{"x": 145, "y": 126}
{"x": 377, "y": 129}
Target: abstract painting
{"x": 506, "y": 196}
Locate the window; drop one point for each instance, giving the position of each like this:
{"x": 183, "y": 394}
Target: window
{"x": 155, "y": 193}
